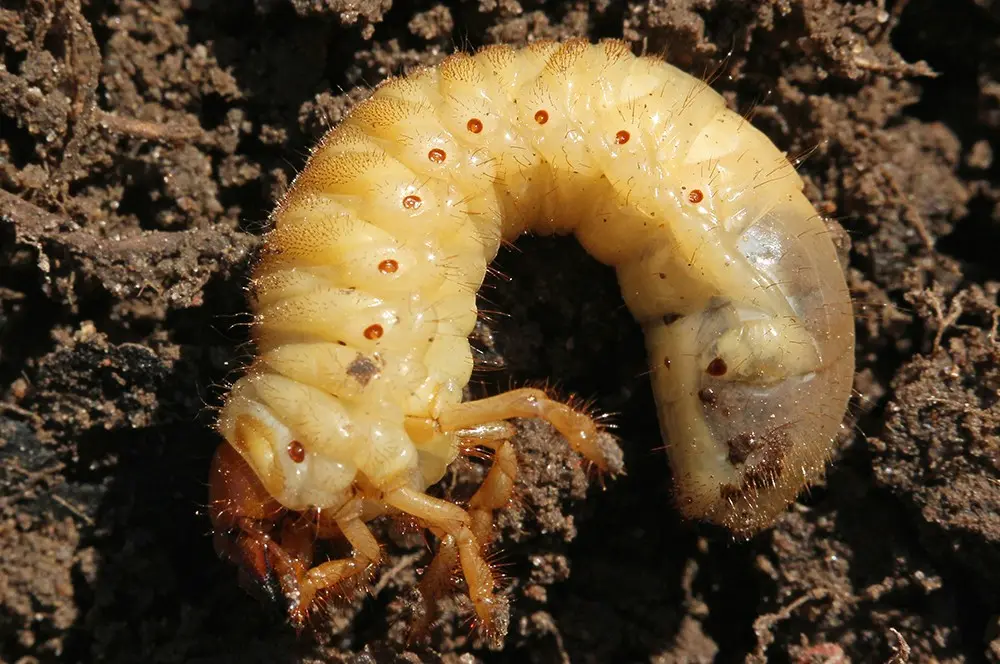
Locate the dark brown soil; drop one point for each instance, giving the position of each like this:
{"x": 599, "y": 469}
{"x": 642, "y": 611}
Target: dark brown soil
{"x": 142, "y": 144}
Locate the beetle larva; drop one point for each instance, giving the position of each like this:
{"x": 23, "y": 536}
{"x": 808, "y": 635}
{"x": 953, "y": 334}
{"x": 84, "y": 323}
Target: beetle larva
{"x": 365, "y": 295}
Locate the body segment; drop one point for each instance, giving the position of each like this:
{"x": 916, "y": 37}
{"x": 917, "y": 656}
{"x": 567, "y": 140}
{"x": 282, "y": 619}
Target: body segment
{"x": 365, "y": 295}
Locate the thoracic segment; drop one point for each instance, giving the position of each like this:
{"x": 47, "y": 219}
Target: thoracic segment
{"x": 366, "y": 291}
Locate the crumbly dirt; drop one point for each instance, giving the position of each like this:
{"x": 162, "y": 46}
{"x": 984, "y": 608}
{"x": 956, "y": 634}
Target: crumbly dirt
{"x": 142, "y": 143}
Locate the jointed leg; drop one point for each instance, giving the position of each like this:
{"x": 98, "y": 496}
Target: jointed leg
{"x": 482, "y": 423}
{"x": 452, "y": 521}
{"x": 365, "y": 554}
{"x": 488, "y": 434}
{"x": 495, "y": 492}
{"x": 466, "y": 535}
{"x": 578, "y": 428}
{"x": 435, "y": 583}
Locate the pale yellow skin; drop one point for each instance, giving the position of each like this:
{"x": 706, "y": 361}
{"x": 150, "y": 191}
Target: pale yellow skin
{"x": 718, "y": 253}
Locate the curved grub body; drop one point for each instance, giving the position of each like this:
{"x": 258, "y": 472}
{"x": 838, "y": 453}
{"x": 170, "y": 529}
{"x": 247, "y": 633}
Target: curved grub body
{"x": 366, "y": 291}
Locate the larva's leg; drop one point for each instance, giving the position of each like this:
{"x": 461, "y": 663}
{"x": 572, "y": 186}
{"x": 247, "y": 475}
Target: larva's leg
{"x": 331, "y": 574}
{"x": 498, "y": 487}
{"x": 490, "y": 434}
{"x": 435, "y": 583}
{"x": 491, "y": 609}
{"x": 578, "y": 428}
{"x": 297, "y": 538}
{"x": 495, "y": 492}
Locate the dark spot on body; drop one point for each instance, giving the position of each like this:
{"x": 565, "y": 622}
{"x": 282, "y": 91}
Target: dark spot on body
{"x": 670, "y": 319}
{"x": 770, "y": 463}
{"x": 765, "y": 472}
{"x": 362, "y": 369}
{"x": 717, "y": 367}
{"x": 707, "y": 395}
{"x": 741, "y": 446}
{"x": 730, "y": 493}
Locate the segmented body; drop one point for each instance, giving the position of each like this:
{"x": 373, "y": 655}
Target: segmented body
{"x": 366, "y": 290}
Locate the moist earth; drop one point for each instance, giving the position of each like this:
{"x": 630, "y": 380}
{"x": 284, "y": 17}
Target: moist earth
{"x": 142, "y": 145}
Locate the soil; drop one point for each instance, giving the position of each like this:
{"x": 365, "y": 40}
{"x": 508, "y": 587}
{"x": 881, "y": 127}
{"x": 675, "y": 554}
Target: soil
{"x": 142, "y": 145}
